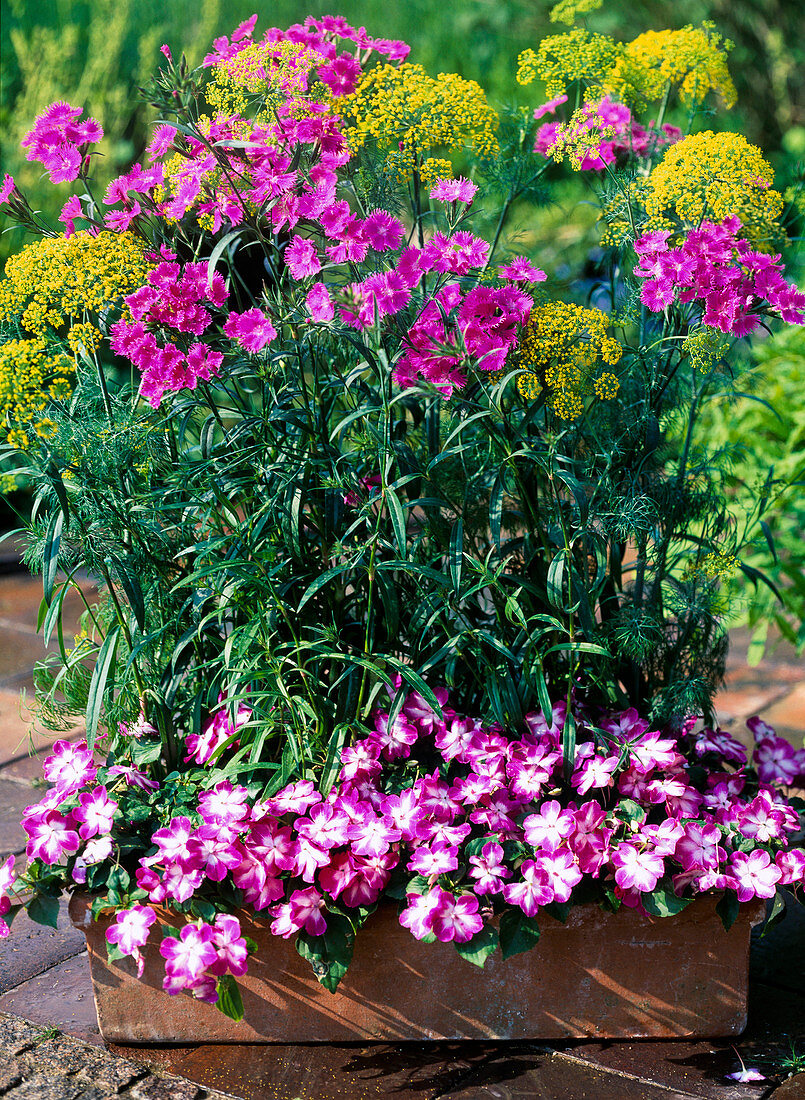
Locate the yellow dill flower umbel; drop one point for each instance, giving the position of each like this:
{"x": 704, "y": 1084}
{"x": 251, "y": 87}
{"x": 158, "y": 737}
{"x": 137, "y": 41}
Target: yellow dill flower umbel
{"x": 691, "y": 61}
{"x": 561, "y": 351}
{"x": 411, "y": 115}
{"x": 58, "y": 281}
{"x": 714, "y": 176}
{"x": 260, "y": 77}
{"x": 30, "y": 377}
{"x": 706, "y": 347}
{"x": 568, "y": 11}
{"x": 562, "y": 59}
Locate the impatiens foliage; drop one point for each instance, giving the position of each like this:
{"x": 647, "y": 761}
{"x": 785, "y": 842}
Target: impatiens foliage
{"x": 408, "y": 571}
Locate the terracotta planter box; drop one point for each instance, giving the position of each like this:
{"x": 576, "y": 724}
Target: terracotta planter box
{"x": 600, "y": 975}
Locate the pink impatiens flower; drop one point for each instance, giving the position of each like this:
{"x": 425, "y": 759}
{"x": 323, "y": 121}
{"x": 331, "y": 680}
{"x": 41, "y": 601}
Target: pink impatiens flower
{"x": 69, "y": 766}
{"x": 488, "y": 869}
{"x": 230, "y": 946}
{"x": 252, "y": 329}
{"x": 51, "y": 837}
{"x": 418, "y": 915}
{"x": 130, "y": 932}
{"x": 302, "y": 911}
{"x": 532, "y": 891}
{"x": 187, "y": 957}
{"x": 6, "y": 881}
{"x": 550, "y": 827}
{"x": 456, "y": 919}
{"x": 755, "y": 875}
{"x": 96, "y": 812}
{"x": 636, "y": 869}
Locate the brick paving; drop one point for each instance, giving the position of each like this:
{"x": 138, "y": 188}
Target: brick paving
{"x": 50, "y": 1048}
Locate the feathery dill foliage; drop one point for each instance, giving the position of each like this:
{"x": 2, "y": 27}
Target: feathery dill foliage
{"x": 335, "y": 446}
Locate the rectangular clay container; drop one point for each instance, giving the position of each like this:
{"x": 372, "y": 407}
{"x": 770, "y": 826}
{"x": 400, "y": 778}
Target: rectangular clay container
{"x": 601, "y": 975}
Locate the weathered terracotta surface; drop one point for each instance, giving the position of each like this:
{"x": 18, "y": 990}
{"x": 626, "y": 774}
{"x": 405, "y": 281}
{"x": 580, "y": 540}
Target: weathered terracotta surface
{"x": 600, "y": 975}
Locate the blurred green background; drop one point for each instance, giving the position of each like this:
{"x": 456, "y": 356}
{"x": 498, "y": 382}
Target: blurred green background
{"x": 96, "y": 53}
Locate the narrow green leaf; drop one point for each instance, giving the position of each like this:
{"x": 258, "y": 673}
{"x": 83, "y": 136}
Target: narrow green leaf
{"x": 456, "y": 554}
{"x": 50, "y": 558}
{"x": 397, "y": 520}
{"x": 104, "y": 663}
{"x": 569, "y": 743}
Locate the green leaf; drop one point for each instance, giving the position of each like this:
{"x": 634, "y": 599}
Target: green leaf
{"x": 134, "y": 593}
{"x": 728, "y": 908}
{"x": 44, "y": 910}
{"x": 204, "y": 909}
{"x": 569, "y": 743}
{"x": 776, "y": 913}
{"x": 50, "y": 556}
{"x": 480, "y": 947}
{"x": 113, "y": 952}
{"x": 104, "y": 663}
{"x": 518, "y": 933}
{"x": 119, "y": 879}
{"x": 397, "y": 519}
{"x": 145, "y": 752}
{"x": 456, "y": 554}
{"x": 229, "y": 1000}
{"x": 559, "y": 910}
{"x": 330, "y": 954}
{"x": 663, "y": 902}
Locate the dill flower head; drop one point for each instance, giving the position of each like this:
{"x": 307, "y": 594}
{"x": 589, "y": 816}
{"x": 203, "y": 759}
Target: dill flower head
{"x": 265, "y": 74}
{"x": 692, "y": 61}
{"x": 31, "y": 376}
{"x": 568, "y": 11}
{"x": 56, "y": 281}
{"x": 562, "y": 59}
{"x": 412, "y": 115}
{"x": 706, "y": 347}
{"x": 561, "y": 350}
{"x": 714, "y": 176}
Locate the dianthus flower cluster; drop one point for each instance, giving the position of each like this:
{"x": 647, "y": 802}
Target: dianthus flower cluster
{"x": 692, "y": 61}
{"x": 466, "y": 820}
{"x": 174, "y": 298}
{"x": 411, "y": 115}
{"x": 733, "y": 284}
{"x": 596, "y": 133}
{"x": 715, "y": 176}
{"x": 561, "y": 350}
{"x": 456, "y": 331}
{"x": 60, "y": 142}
